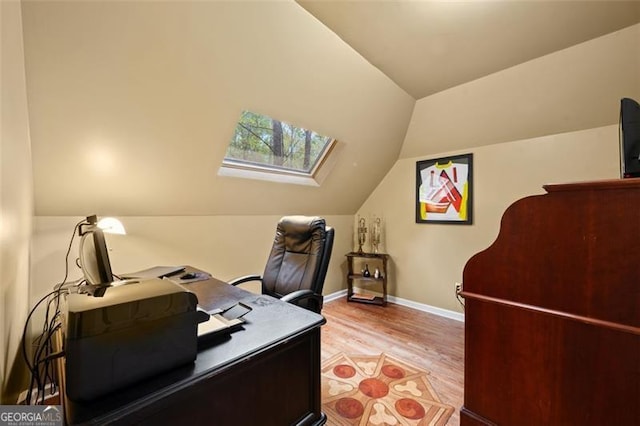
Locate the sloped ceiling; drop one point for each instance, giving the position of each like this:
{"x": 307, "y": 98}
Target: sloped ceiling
{"x": 132, "y": 104}
{"x": 429, "y": 46}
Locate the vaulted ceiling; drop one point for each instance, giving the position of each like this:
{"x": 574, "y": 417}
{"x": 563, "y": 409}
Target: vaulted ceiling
{"x": 430, "y": 46}
{"x": 132, "y": 104}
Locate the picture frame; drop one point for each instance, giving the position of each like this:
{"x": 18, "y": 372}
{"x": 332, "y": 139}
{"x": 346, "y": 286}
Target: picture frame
{"x": 444, "y": 190}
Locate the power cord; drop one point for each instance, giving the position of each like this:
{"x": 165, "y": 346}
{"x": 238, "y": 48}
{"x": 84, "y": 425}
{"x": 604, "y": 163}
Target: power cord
{"x": 38, "y": 367}
{"x": 41, "y": 364}
{"x": 458, "y": 290}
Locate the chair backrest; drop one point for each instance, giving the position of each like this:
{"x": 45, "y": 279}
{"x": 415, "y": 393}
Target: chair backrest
{"x": 299, "y": 257}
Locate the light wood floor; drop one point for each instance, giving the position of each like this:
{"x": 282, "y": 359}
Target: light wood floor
{"x": 422, "y": 339}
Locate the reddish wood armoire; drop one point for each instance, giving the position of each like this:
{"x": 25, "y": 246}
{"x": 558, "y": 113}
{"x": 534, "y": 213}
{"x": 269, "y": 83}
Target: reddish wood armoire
{"x": 552, "y": 316}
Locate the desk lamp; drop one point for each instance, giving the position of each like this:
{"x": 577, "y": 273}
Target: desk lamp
{"x": 94, "y": 255}
{"x": 109, "y": 225}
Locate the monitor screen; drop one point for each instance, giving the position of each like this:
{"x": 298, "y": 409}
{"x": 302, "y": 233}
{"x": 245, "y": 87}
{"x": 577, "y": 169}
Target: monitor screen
{"x": 629, "y": 138}
{"x": 94, "y": 258}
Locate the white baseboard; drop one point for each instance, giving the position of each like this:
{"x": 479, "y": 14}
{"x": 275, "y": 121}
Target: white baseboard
{"x": 337, "y": 295}
{"x": 408, "y": 303}
{"x": 427, "y": 308}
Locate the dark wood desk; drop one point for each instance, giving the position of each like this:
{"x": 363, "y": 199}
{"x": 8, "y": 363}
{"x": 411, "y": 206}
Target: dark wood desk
{"x": 266, "y": 374}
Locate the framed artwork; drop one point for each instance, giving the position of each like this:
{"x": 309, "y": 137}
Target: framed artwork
{"x": 444, "y": 190}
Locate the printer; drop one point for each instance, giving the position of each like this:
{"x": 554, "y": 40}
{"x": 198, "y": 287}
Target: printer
{"x": 134, "y": 331}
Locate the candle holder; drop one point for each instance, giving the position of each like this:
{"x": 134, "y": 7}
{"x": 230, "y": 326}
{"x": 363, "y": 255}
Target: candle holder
{"x": 362, "y": 233}
{"x": 376, "y": 233}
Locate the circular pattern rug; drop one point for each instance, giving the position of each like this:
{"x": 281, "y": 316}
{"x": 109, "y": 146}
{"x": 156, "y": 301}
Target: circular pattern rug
{"x": 379, "y": 390}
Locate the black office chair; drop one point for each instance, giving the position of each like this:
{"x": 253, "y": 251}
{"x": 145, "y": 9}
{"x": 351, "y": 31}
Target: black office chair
{"x": 298, "y": 262}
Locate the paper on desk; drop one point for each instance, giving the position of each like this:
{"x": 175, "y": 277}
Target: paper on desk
{"x": 217, "y": 324}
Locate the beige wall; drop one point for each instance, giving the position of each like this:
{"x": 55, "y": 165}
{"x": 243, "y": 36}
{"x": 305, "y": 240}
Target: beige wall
{"x": 428, "y": 258}
{"x": 16, "y": 204}
{"x": 225, "y": 246}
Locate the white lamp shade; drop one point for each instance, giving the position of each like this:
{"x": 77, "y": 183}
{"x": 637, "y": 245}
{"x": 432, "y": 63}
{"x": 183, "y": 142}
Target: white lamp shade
{"x": 111, "y": 225}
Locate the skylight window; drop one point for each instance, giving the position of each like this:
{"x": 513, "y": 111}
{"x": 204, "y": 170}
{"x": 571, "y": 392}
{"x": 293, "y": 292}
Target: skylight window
{"x": 267, "y": 145}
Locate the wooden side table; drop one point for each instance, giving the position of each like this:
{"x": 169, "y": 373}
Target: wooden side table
{"x": 373, "y": 260}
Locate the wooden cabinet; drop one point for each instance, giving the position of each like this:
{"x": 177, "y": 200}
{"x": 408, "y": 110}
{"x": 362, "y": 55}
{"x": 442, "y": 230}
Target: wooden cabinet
{"x": 375, "y": 286}
{"x": 552, "y": 311}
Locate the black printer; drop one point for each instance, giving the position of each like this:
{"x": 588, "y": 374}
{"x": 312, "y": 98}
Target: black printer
{"x": 134, "y": 331}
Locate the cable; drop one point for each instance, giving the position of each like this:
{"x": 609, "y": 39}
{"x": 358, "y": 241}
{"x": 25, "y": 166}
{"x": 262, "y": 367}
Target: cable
{"x": 459, "y": 297}
{"x": 40, "y": 366}
{"x": 32, "y": 366}
{"x": 24, "y": 330}
{"x": 66, "y": 257}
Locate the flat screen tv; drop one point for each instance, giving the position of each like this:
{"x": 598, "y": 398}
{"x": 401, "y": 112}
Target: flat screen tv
{"x": 629, "y": 138}
{"x": 94, "y": 258}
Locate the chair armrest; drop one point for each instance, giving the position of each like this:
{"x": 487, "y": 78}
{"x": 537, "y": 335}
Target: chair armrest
{"x": 300, "y": 295}
{"x": 245, "y": 279}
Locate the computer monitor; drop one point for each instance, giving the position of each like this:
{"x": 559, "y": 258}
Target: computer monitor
{"x": 629, "y": 138}
{"x": 94, "y": 258}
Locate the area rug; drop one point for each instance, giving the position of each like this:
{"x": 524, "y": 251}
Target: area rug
{"x": 379, "y": 390}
